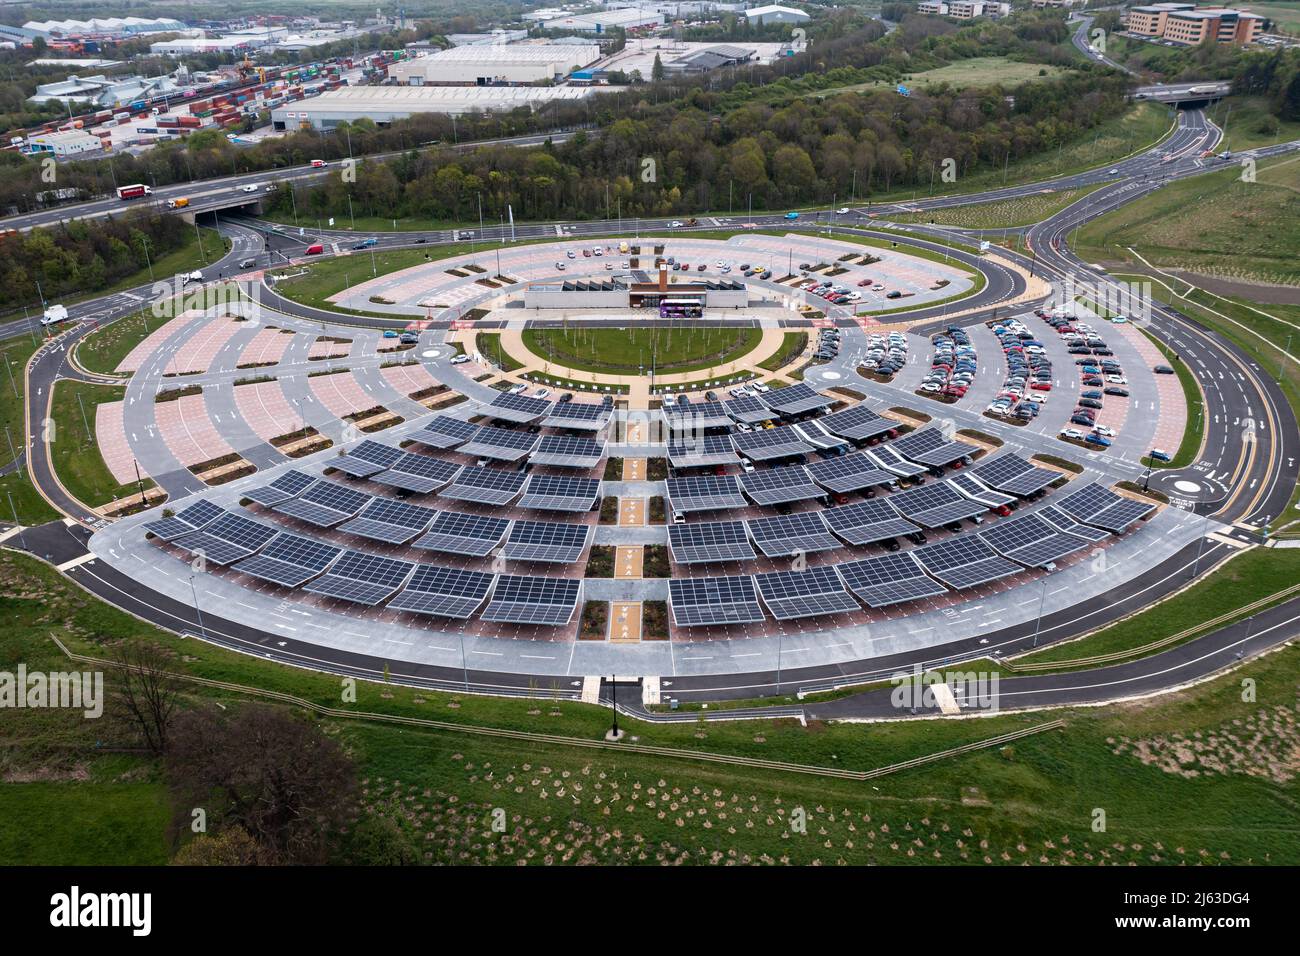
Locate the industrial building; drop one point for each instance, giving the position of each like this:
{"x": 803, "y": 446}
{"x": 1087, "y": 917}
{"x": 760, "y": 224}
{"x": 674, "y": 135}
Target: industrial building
{"x": 775, "y": 14}
{"x": 102, "y": 91}
{"x": 629, "y": 19}
{"x": 637, "y": 290}
{"x": 494, "y": 65}
{"x": 189, "y": 46}
{"x": 61, "y": 145}
{"x": 384, "y": 104}
{"x": 105, "y": 28}
{"x": 963, "y": 9}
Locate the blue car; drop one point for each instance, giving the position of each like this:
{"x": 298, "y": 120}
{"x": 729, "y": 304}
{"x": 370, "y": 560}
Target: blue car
{"x": 792, "y": 215}
{"x": 1159, "y": 455}
{"x": 1096, "y": 439}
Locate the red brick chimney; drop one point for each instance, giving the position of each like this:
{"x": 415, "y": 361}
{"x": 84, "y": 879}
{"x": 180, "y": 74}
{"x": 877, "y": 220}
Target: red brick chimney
{"x": 663, "y": 277}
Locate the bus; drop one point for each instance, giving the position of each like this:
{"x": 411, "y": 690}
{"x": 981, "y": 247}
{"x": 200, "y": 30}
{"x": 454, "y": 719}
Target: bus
{"x": 680, "y": 308}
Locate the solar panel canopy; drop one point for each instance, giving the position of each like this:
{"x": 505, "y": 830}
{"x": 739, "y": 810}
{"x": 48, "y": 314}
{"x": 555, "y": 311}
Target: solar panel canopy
{"x": 705, "y": 493}
{"x": 858, "y": 423}
{"x": 847, "y": 473}
{"x": 485, "y": 486}
{"x": 289, "y": 560}
{"x": 701, "y": 602}
{"x": 555, "y": 542}
{"x": 458, "y": 533}
{"x": 889, "y": 579}
{"x": 1015, "y": 475}
{"x": 566, "y": 451}
{"x": 560, "y": 493}
{"x": 443, "y": 431}
{"x": 773, "y": 486}
{"x": 324, "y": 504}
{"x": 186, "y": 521}
{"x": 866, "y": 522}
{"x": 443, "y": 592}
{"x": 368, "y": 458}
{"x": 701, "y": 451}
{"x": 390, "y": 521}
{"x": 964, "y": 561}
{"x": 747, "y": 409}
{"x": 696, "y": 416}
{"x": 790, "y": 595}
{"x": 703, "y": 542}
{"x": 519, "y": 599}
{"x": 500, "y": 444}
{"x": 361, "y": 578}
{"x": 787, "y": 535}
{"x": 1031, "y": 541}
{"x": 929, "y": 447}
{"x": 890, "y": 460}
{"x": 285, "y": 486}
{"x": 583, "y": 416}
{"x": 419, "y": 474}
{"x": 766, "y": 444}
{"x": 795, "y": 399}
{"x": 935, "y": 505}
{"x": 228, "y": 539}
{"x": 520, "y": 409}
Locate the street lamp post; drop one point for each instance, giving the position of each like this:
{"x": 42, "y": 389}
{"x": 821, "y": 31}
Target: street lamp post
{"x": 1042, "y": 598}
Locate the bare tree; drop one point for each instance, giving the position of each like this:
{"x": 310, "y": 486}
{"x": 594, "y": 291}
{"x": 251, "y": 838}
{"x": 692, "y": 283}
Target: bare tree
{"x": 149, "y": 690}
{"x": 266, "y": 770}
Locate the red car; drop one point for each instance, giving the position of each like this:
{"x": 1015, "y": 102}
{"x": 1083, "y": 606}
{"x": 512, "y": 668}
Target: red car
{"x": 865, "y": 282}
{"x": 1041, "y": 386}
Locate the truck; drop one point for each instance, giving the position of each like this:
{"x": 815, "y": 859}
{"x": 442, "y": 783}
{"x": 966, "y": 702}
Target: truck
{"x": 55, "y": 314}
{"x": 180, "y": 202}
{"x": 135, "y": 191}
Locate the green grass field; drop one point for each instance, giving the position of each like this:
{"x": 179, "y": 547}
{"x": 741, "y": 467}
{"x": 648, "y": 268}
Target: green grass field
{"x": 1214, "y": 224}
{"x": 976, "y": 71}
{"x": 1033, "y": 801}
{"x": 184, "y": 258}
{"x": 1248, "y": 122}
{"x": 77, "y": 460}
{"x": 1007, "y": 213}
{"x": 628, "y": 351}
{"x": 104, "y": 349}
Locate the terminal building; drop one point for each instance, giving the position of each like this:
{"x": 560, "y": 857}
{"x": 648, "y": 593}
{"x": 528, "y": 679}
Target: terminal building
{"x": 638, "y": 289}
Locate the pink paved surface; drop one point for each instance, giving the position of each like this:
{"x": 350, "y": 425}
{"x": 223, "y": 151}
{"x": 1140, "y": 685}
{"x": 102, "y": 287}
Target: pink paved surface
{"x": 1172, "y": 419}
{"x": 188, "y": 431}
{"x": 341, "y": 394}
{"x": 267, "y": 345}
{"x": 408, "y": 378}
{"x": 154, "y": 341}
{"x": 266, "y": 411}
{"x": 110, "y": 435}
{"x": 201, "y": 347}
{"x": 323, "y": 349}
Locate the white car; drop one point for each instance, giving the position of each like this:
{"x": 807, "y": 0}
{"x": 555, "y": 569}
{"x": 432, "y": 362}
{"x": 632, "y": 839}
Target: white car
{"x": 669, "y": 401}
{"x": 460, "y": 359}
{"x": 675, "y": 224}
{"x": 1117, "y": 379}
{"x": 519, "y": 389}
{"x": 746, "y": 465}
{"x": 739, "y": 391}
{"x": 571, "y": 254}
{"x": 1071, "y": 433}
{"x": 1105, "y": 430}
{"x": 760, "y": 387}
{"x": 624, "y": 265}
{"x": 249, "y": 188}
{"x": 541, "y": 393}
{"x": 598, "y": 251}
{"x": 842, "y": 211}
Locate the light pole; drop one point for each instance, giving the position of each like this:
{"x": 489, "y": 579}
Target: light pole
{"x": 197, "y": 610}
{"x": 1042, "y": 598}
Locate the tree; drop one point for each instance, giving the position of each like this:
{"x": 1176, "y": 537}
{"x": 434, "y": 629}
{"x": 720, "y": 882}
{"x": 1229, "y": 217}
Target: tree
{"x": 231, "y": 847}
{"x": 148, "y": 690}
{"x": 657, "y": 71}
{"x": 265, "y": 770}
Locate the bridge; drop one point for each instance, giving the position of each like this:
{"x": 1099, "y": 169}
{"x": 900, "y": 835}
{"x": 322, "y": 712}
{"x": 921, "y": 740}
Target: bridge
{"x": 1178, "y": 93}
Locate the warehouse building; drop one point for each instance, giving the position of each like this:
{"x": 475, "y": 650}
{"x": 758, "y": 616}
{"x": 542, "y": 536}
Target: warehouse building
{"x": 776, "y": 14}
{"x": 494, "y": 65}
{"x": 189, "y": 46}
{"x": 61, "y": 145}
{"x": 102, "y": 28}
{"x": 631, "y": 20}
{"x": 384, "y": 104}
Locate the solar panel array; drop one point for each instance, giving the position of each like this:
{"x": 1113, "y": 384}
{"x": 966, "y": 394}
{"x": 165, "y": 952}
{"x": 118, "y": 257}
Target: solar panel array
{"x": 698, "y": 602}
{"x": 443, "y": 431}
{"x": 701, "y": 451}
{"x": 518, "y": 408}
{"x": 964, "y": 561}
{"x": 773, "y": 486}
{"x": 502, "y": 444}
{"x": 890, "y": 460}
{"x": 697, "y": 415}
{"x": 1031, "y": 541}
{"x": 324, "y": 504}
{"x": 768, "y": 443}
{"x": 795, "y": 594}
{"x": 485, "y": 486}
{"x": 705, "y": 493}
{"x": 1015, "y": 475}
{"x": 443, "y": 592}
{"x": 847, "y": 473}
{"x": 290, "y": 560}
{"x": 857, "y": 423}
{"x": 546, "y": 541}
{"x": 457, "y": 533}
{"x": 1096, "y": 505}
{"x": 782, "y": 536}
{"x": 419, "y": 474}
{"x": 362, "y": 578}
{"x": 568, "y": 452}
{"x": 228, "y": 539}
{"x": 288, "y": 485}
{"x": 708, "y": 541}
{"x": 971, "y": 487}
{"x": 560, "y": 493}
{"x": 586, "y": 416}
{"x": 889, "y": 579}
{"x": 533, "y": 600}
{"x": 795, "y": 399}
{"x": 186, "y": 521}
{"x": 390, "y": 521}
{"x": 368, "y": 458}
{"x": 929, "y": 447}
{"x": 1059, "y": 520}
{"x": 935, "y": 505}
{"x": 747, "y": 408}
{"x": 865, "y": 522}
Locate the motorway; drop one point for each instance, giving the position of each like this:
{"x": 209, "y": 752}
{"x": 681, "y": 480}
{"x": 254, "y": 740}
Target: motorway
{"x": 1255, "y": 477}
